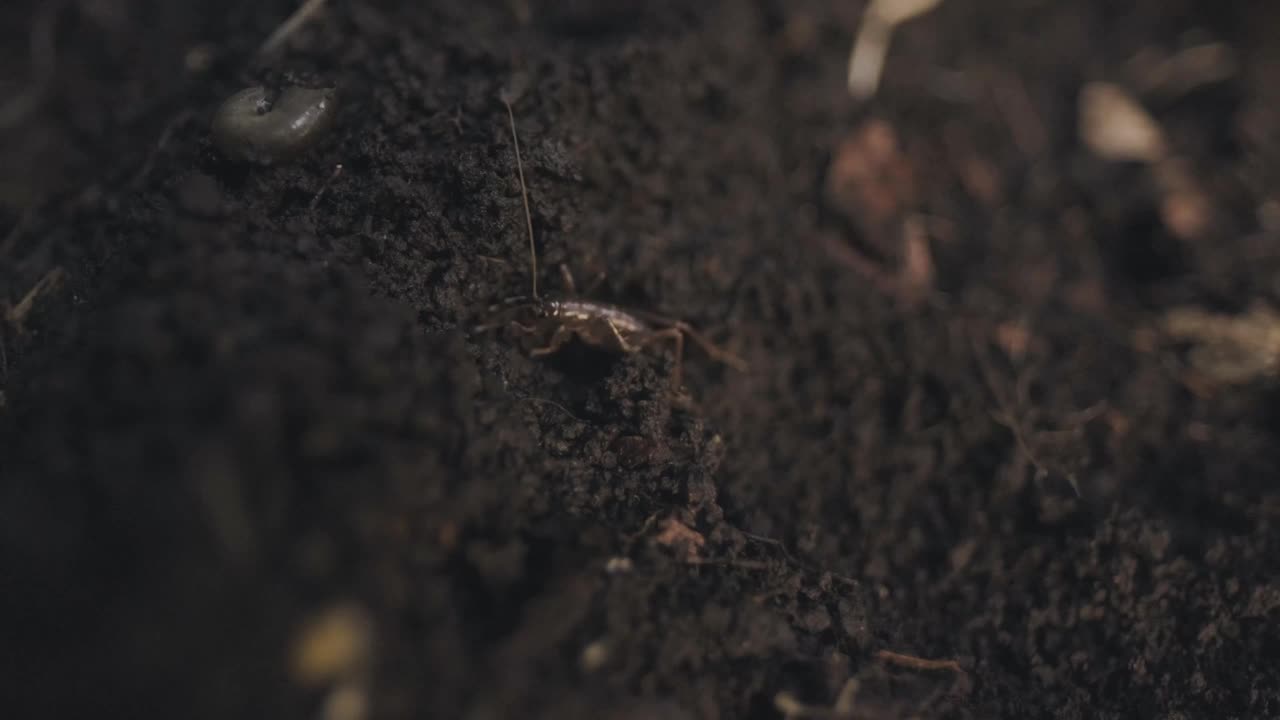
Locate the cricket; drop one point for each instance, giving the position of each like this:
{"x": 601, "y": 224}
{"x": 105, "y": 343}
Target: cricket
{"x": 606, "y": 326}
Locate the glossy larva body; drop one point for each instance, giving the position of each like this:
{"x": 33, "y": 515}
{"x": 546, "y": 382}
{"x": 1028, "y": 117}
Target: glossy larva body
{"x": 252, "y": 126}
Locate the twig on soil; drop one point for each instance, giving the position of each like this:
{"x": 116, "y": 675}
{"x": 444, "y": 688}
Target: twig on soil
{"x": 457, "y": 119}
{"x": 913, "y": 662}
{"x": 843, "y": 709}
{"x": 961, "y": 684}
{"x": 15, "y": 315}
{"x": 165, "y": 136}
{"x": 492, "y": 259}
{"x": 291, "y": 25}
{"x": 554, "y": 404}
{"x": 630, "y": 541}
{"x": 337, "y": 170}
{"x": 793, "y": 709}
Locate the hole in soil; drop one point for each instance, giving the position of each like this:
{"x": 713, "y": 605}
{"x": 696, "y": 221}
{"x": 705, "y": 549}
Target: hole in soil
{"x": 584, "y": 362}
{"x": 492, "y": 604}
{"x": 1141, "y": 253}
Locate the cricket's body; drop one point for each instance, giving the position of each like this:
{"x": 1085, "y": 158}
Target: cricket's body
{"x": 598, "y": 324}
{"x": 602, "y": 325}
{"x": 573, "y": 311}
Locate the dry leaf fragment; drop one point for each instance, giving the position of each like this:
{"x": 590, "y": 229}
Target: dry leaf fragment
{"x": 1116, "y": 127}
{"x": 871, "y": 46}
{"x": 1229, "y": 348}
{"x": 1156, "y": 72}
{"x": 684, "y": 540}
{"x": 333, "y": 644}
{"x": 16, "y": 315}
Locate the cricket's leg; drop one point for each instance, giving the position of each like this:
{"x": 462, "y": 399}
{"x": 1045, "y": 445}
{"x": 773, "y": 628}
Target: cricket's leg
{"x": 676, "y": 337}
{"x": 623, "y": 345}
{"x": 714, "y": 351}
{"x": 561, "y": 336}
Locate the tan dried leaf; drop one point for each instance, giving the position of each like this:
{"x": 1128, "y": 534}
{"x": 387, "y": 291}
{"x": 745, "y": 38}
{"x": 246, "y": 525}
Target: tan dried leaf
{"x": 1229, "y": 348}
{"x": 895, "y": 12}
{"x": 871, "y": 46}
{"x": 332, "y": 645}
{"x": 1116, "y": 127}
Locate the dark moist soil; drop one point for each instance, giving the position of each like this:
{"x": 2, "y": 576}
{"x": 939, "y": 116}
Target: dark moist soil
{"x": 246, "y": 396}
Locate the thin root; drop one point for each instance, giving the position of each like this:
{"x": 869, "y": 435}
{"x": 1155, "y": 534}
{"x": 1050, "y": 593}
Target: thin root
{"x": 793, "y": 709}
{"x": 165, "y": 136}
{"x": 337, "y": 170}
{"x": 15, "y": 315}
{"x": 1011, "y": 414}
{"x": 304, "y": 14}
{"x": 912, "y": 662}
{"x": 552, "y": 403}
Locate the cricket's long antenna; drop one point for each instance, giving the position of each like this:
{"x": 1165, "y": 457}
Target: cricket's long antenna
{"x": 524, "y": 194}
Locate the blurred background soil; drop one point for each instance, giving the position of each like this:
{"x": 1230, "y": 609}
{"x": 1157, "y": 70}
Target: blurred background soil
{"x": 1010, "y": 404}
